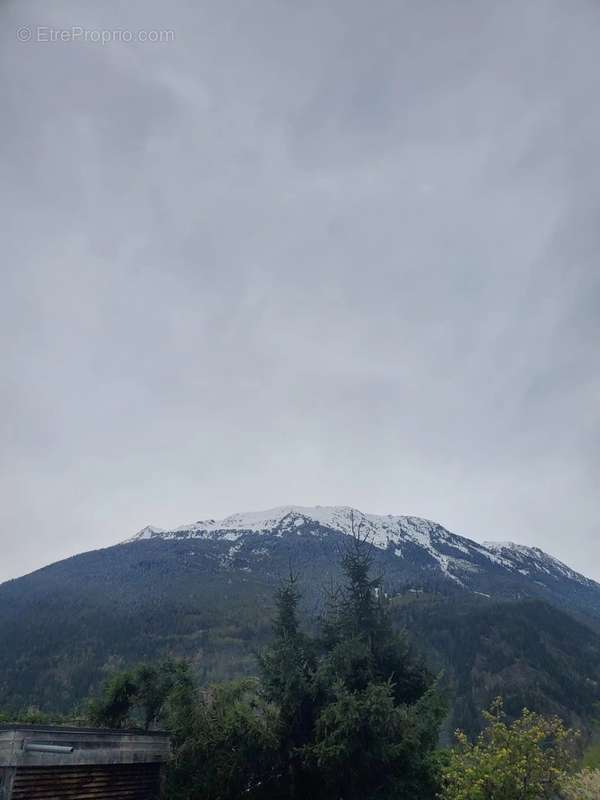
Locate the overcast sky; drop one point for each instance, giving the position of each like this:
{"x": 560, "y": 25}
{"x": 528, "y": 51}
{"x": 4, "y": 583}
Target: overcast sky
{"x": 300, "y": 252}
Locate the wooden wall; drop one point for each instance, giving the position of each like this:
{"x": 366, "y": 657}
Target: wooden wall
{"x": 87, "y": 782}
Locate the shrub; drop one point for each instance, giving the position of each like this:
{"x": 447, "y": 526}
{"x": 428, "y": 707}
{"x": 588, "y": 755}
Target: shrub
{"x": 584, "y": 785}
{"x": 524, "y": 760}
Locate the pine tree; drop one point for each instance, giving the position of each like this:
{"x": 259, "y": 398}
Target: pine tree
{"x": 287, "y": 671}
{"x": 225, "y": 743}
{"x": 359, "y": 638}
{"x": 351, "y": 715}
{"x": 377, "y": 731}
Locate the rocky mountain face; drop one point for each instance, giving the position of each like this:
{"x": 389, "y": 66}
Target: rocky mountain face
{"x": 415, "y": 549}
{"x": 498, "y": 618}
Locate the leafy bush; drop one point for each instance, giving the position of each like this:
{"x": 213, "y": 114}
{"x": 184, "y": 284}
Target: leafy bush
{"x": 138, "y": 697}
{"x": 584, "y": 785}
{"x": 524, "y": 760}
{"x": 225, "y": 743}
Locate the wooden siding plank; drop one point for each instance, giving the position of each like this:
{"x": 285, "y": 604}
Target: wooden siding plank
{"x": 99, "y": 782}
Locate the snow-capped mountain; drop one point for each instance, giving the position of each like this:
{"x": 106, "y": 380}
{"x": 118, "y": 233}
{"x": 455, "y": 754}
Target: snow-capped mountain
{"x": 414, "y": 540}
{"x": 533, "y": 562}
{"x": 205, "y": 591}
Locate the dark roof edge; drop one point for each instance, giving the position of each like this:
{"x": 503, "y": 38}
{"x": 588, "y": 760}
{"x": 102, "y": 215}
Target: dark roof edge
{"x": 18, "y": 726}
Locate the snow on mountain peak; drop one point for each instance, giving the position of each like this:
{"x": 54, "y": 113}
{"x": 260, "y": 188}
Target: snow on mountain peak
{"x": 381, "y": 530}
{"x": 378, "y": 528}
{"x": 532, "y": 559}
{"x": 148, "y": 532}
{"x": 454, "y": 555}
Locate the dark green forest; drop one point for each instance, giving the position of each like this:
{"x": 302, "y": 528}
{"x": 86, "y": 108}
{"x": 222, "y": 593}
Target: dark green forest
{"x": 65, "y": 629}
{"x": 360, "y": 699}
{"x": 347, "y": 712}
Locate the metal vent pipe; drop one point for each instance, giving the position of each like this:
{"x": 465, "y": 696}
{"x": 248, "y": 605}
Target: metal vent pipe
{"x": 40, "y": 747}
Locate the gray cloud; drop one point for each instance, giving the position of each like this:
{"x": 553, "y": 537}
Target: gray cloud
{"x": 304, "y": 253}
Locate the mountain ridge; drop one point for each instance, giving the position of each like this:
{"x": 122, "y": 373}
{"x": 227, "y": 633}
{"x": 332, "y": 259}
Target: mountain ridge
{"x": 503, "y": 618}
{"x": 381, "y": 530}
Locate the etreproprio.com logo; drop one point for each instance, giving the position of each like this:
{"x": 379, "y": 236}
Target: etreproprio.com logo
{"x": 76, "y": 33}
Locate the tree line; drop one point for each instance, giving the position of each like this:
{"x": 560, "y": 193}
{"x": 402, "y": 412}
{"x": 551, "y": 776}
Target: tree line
{"x": 348, "y": 712}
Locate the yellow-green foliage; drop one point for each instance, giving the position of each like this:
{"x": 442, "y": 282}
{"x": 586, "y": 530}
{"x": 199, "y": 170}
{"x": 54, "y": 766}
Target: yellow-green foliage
{"x": 583, "y": 786}
{"x": 591, "y": 759}
{"x": 524, "y": 760}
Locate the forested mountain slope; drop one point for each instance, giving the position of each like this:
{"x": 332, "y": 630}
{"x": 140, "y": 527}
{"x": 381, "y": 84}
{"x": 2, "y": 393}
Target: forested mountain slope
{"x": 526, "y": 651}
{"x": 488, "y": 614}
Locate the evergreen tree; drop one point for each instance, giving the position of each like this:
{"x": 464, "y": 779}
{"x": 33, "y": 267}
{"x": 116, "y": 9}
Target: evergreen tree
{"x": 351, "y": 715}
{"x": 225, "y": 744}
{"x": 376, "y": 734}
{"x": 287, "y": 670}
{"x": 360, "y": 643}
